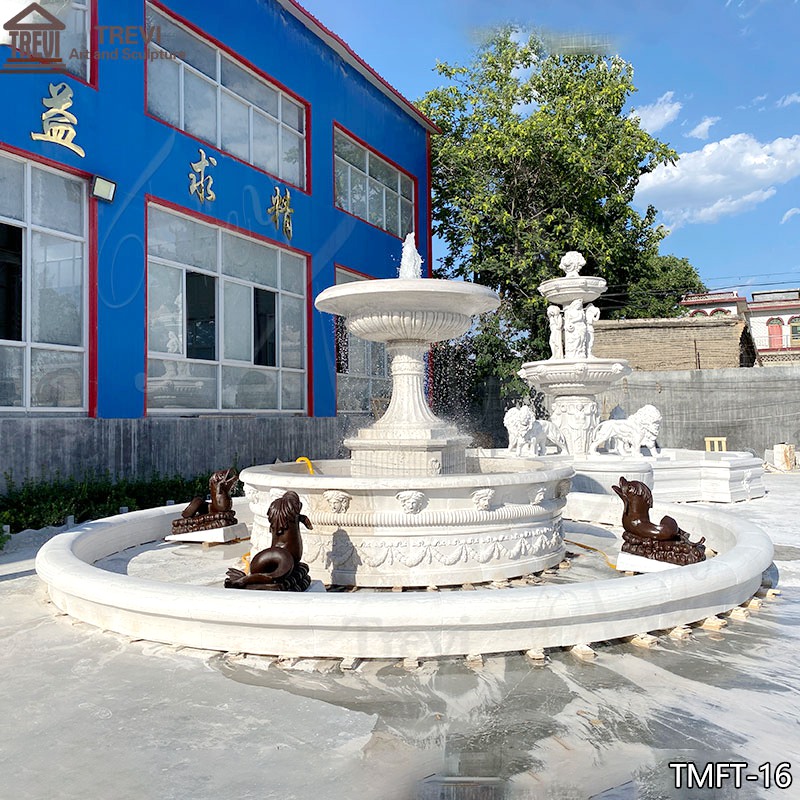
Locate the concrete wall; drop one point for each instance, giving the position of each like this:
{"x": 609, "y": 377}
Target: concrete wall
{"x": 754, "y": 408}
{"x": 44, "y": 447}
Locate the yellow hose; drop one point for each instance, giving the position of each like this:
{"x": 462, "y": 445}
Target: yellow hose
{"x": 307, "y": 462}
{"x": 593, "y": 549}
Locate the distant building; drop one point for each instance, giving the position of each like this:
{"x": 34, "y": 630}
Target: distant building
{"x": 715, "y": 304}
{"x": 179, "y": 179}
{"x": 773, "y": 318}
{"x": 775, "y": 324}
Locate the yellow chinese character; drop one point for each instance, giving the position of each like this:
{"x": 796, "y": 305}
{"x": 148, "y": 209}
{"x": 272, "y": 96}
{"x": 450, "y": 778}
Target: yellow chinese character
{"x": 281, "y": 207}
{"x": 202, "y": 186}
{"x": 58, "y": 124}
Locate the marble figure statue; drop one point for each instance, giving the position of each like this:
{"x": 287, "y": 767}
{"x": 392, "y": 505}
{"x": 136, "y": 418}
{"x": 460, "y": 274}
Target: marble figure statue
{"x": 591, "y": 314}
{"x": 556, "y": 331}
{"x": 574, "y": 330}
{"x": 572, "y": 263}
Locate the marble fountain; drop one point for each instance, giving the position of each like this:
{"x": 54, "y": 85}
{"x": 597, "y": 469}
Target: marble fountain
{"x": 441, "y": 544}
{"x": 600, "y": 452}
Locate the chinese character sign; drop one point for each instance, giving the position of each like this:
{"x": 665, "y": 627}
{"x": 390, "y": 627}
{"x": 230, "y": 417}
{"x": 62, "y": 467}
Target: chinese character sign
{"x": 281, "y": 209}
{"x": 200, "y": 183}
{"x": 58, "y": 124}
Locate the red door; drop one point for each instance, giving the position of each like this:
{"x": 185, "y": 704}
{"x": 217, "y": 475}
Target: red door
{"x": 775, "y": 329}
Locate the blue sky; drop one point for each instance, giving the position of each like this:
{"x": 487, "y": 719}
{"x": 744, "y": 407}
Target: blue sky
{"x": 719, "y": 80}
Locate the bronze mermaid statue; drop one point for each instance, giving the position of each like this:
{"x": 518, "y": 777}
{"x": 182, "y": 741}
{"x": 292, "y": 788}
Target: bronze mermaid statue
{"x": 279, "y": 567}
{"x": 664, "y": 541}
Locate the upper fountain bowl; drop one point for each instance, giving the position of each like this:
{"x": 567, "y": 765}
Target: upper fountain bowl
{"x": 563, "y": 291}
{"x": 418, "y": 309}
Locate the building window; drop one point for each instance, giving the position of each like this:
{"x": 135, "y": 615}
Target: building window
{"x": 794, "y": 331}
{"x": 362, "y": 375}
{"x": 43, "y": 265}
{"x": 226, "y": 319}
{"x": 698, "y": 313}
{"x": 775, "y": 331}
{"x": 75, "y": 14}
{"x": 720, "y": 312}
{"x": 213, "y": 97}
{"x": 370, "y": 188}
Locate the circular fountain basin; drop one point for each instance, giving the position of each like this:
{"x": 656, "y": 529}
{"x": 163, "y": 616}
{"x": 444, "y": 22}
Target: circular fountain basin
{"x": 422, "y": 309}
{"x": 499, "y": 520}
{"x": 399, "y": 625}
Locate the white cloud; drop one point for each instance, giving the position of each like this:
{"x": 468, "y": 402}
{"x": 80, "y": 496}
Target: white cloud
{"x": 658, "y": 115}
{"x": 723, "y": 178}
{"x": 701, "y": 131}
{"x": 788, "y": 99}
{"x": 789, "y": 214}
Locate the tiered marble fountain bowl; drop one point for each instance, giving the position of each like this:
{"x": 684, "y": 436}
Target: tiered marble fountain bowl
{"x": 411, "y": 507}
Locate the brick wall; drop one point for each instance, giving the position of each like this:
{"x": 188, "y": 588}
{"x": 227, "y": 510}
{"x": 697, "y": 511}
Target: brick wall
{"x": 671, "y": 344}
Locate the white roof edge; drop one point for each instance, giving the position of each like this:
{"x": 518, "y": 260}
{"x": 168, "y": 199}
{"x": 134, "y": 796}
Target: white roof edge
{"x": 340, "y": 47}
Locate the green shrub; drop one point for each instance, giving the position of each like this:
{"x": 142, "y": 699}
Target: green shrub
{"x": 37, "y": 504}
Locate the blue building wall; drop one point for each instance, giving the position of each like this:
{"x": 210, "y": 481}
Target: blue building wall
{"x": 148, "y": 158}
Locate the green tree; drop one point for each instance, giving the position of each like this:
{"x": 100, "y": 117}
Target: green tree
{"x": 658, "y": 292}
{"x": 537, "y": 156}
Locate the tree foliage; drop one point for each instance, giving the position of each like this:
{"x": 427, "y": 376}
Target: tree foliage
{"x": 658, "y": 292}
{"x": 537, "y": 156}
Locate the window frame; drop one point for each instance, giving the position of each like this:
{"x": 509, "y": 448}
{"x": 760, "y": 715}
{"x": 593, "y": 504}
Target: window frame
{"x": 87, "y": 309}
{"x": 221, "y": 361}
{"x": 371, "y": 152}
{"x": 794, "y": 338}
{"x": 221, "y": 52}
{"x": 385, "y": 379}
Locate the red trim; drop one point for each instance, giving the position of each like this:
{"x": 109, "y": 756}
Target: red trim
{"x": 309, "y": 338}
{"x": 786, "y": 305}
{"x": 335, "y": 342}
{"x": 93, "y": 290}
{"x": 409, "y": 175}
{"x": 257, "y": 72}
{"x": 351, "y": 271}
{"x": 301, "y": 13}
{"x": 430, "y": 227}
{"x": 94, "y": 63}
{"x": 146, "y": 337}
{"x": 48, "y": 162}
{"x": 189, "y": 212}
{"x": 225, "y": 152}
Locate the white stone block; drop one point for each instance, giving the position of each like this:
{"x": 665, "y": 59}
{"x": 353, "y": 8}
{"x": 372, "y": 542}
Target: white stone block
{"x": 229, "y": 533}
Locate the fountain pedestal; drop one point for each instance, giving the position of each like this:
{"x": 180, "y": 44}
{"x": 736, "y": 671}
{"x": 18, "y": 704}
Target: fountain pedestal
{"x": 407, "y": 315}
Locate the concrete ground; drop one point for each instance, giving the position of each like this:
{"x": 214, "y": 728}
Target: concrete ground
{"x": 88, "y": 714}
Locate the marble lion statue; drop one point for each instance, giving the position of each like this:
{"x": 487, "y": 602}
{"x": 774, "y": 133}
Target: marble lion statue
{"x": 528, "y": 435}
{"x": 625, "y": 436}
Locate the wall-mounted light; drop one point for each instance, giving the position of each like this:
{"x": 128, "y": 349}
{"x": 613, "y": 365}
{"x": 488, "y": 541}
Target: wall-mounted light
{"x": 103, "y": 189}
